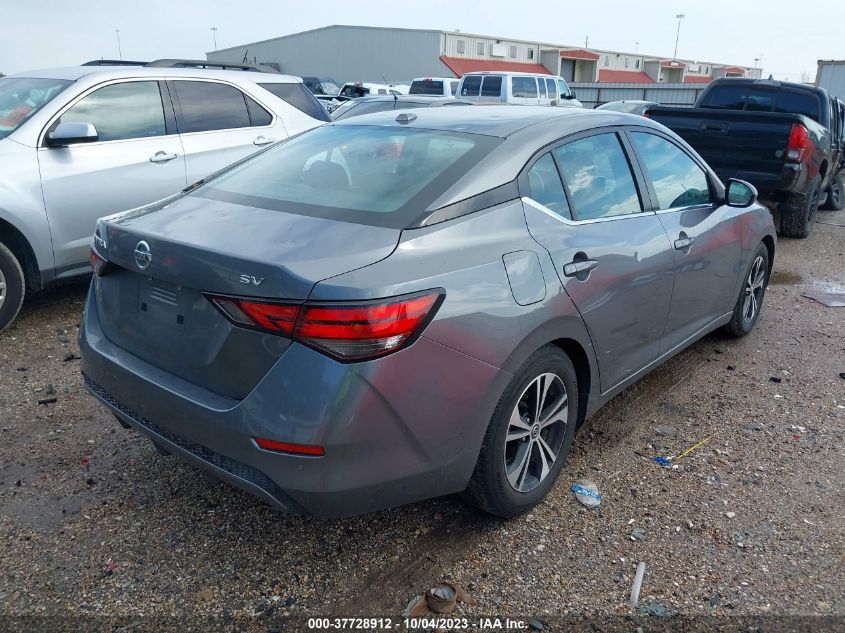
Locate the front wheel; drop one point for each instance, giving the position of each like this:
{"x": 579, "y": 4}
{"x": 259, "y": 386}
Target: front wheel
{"x": 12, "y": 287}
{"x": 750, "y": 301}
{"x": 529, "y": 436}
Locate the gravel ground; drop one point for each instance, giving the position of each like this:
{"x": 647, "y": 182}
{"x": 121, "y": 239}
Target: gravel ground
{"x": 95, "y": 522}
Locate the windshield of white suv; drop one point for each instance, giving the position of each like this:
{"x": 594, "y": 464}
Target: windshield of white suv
{"x": 21, "y": 97}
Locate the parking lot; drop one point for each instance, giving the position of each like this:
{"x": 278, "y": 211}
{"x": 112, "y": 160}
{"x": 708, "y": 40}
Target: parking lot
{"x": 95, "y": 521}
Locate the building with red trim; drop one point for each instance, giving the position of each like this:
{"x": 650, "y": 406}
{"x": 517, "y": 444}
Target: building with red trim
{"x": 363, "y": 53}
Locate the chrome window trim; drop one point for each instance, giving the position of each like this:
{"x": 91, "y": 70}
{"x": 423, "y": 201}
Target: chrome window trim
{"x": 536, "y": 205}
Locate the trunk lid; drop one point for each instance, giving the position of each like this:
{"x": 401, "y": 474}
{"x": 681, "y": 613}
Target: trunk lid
{"x": 155, "y": 306}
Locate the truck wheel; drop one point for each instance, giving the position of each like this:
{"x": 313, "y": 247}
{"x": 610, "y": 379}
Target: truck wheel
{"x": 12, "y": 285}
{"x": 835, "y": 195}
{"x": 797, "y": 215}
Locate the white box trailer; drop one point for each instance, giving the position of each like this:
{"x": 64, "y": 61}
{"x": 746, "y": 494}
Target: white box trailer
{"x": 831, "y": 77}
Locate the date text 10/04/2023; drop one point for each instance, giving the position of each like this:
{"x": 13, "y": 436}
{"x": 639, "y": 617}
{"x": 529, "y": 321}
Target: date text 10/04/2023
{"x": 412, "y": 624}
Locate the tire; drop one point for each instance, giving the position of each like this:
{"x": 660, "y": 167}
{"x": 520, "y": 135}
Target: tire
{"x": 835, "y": 195}
{"x": 797, "y": 216}
{"x": 12, "y": 287}
{"x": 754, "y": 285}
{"x": 531, "y": 444}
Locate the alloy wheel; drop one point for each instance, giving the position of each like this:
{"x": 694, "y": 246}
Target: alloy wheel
{"x": 2, "y": 289}
{"x": 754, "y": 290}
{"x": 536, "y": 431}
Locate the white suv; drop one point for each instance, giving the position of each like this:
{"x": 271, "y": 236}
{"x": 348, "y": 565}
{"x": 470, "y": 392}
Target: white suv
{"x": 519, "y": 88}
{"x": 83, "y": 142}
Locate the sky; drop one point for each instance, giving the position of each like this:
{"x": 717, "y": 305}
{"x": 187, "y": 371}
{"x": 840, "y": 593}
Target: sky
{"x": 46, "y": 33}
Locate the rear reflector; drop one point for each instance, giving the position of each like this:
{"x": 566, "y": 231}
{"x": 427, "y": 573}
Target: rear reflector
{"x": 288, "y": 447}
{"x": 344, "y": 331}
{"x": 797, "y": 143}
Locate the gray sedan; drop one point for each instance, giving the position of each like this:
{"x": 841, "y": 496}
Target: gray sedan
{"x": 400, "y": 306}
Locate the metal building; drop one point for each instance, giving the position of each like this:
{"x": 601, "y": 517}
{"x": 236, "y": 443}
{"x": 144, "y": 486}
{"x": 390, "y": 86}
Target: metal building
{"x": 363, "y": 53}
{"x": 831, "y": 77}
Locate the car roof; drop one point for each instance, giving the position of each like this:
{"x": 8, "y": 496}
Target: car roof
{"x": 510, "y": 73}
{"x": 74, "y": 73}
{"x": 502, "y": 121}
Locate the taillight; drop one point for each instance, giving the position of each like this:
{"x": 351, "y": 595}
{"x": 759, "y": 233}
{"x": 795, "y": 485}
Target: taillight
{"x": 277, "y": 318}
{"x": 797, "y": 143}
{"x": 343, "y": 330}
{"x": 100, "y": 264}
{"x": 367, "y": 330}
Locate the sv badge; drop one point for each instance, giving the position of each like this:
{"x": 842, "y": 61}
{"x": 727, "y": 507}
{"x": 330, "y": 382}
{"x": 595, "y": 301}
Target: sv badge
{"x": 250, "y": 280}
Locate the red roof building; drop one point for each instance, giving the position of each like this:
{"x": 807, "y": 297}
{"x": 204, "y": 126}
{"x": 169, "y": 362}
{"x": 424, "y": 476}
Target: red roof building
{"x": 461, "y": 66}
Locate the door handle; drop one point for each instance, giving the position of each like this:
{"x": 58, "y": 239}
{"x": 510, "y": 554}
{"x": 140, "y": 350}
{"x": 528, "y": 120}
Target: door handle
{"x": 683, "y": 243}
{"x": 572, "y": 269}
{"x": 262, "y": 140}
{"x": 162, "y": 157}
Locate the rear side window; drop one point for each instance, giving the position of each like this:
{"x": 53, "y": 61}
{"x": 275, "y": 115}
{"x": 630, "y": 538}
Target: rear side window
{"x": 546, "y": 188}
{"x": 748, "y": 98}
{"x": 524, "y": 87}
{"x": 210, "y": 106}
{"x": 470, "y": 86}
{"x": 353, "y": 172}
{"x": 541, "y": 83}
{"x": 453, "y": 86}
{"x": 426, "y": 87}
{"x": 678, "y": 181}
{"x": 297, "y": 95}
{"x": 257, "y": 115}
{"x": 492, "y": 86}
{"x": 121, "y": 111}
{"x": 599, "y": 178}
{"x": 552, "y": 87}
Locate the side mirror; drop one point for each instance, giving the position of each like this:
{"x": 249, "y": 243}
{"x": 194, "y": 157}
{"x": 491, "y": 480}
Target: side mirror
{"x": 739, "y": 193}
{"x": 72, "y": 132}
{"x": 571, "y": 94}
{"x": 554, "y": 102}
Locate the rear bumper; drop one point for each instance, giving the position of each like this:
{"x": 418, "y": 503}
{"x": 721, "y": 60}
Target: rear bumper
{"x": 400, "y": 429}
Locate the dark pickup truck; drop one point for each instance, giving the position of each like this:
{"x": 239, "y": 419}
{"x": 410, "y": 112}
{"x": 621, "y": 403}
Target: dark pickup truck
{"x": 784, "y": 138}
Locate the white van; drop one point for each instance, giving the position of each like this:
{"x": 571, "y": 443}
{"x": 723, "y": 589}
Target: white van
{"x": 434, "y": 87}
{"x": 518, "y": 88}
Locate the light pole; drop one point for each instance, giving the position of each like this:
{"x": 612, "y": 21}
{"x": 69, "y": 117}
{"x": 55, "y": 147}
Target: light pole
{"x": 636, "y": 47}
{"x": 119, "y": 51}
{"x": 214, "y": 36}
{"x": 679, "y": 17}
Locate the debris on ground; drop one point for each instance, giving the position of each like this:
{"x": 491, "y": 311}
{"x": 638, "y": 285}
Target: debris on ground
{"x": 440, "y": 599}
{"x": 638, "y": 534}
{"x": 829, "y": 299}
{"x": 668, "y": 462}
{"x": 666, "y": 431}
{"x": 50, "y": 400}
{"x": 587, "y": 493}
{"x": 656, "y": 609}
{"x": 638, "y": 581}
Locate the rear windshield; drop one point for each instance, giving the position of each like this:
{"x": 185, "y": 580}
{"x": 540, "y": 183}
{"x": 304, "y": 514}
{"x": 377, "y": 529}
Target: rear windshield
{"x": 297, "y": 95}
{"x": 381, "y": 175}
{"x": 426, "y": 87}
{"x": 21, "y": 97}
{"x": 749, "y": 98}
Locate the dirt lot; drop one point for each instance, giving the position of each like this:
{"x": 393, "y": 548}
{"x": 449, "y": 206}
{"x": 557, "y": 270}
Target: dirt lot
{"x": 95, "y": 522}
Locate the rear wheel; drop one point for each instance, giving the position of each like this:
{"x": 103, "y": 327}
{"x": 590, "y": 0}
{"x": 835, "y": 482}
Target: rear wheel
{"x": 12, "y": 286}
{"x": 529, "y": 436}
{"x": 835, "y": 195}
{"x": 750, "y": 301}
{"x": 797, "y": 216}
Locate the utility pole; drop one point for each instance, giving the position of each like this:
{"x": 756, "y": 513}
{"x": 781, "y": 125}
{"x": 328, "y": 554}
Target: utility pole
{"x": 679, "y": 17}
{"x": 119, "y": 51}
{"x": 214, "y": 36}
{"x": 587, "y": 42}
{"x": 636, "y": 47}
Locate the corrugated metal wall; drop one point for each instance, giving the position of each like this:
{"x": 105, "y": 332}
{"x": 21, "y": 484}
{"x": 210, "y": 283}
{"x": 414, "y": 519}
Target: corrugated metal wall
{"x": 471, "y": 44}
{"x": 348, "y": 54}
{"x": 593, "y": 94}
{"x": 831, "y": 77}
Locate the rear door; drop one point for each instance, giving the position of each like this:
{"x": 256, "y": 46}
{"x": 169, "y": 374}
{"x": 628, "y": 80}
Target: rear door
{"x": 612, "y": 256}
{"x": 705, "y": 235}
{"x": 220, "y": 124}
{"x": 138, "y": 159}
